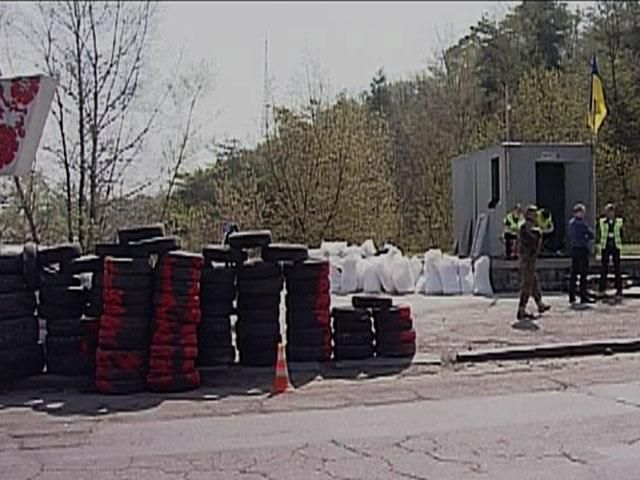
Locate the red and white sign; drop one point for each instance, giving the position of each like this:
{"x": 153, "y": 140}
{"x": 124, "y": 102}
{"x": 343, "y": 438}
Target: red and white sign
{"x": 24, "y": 107}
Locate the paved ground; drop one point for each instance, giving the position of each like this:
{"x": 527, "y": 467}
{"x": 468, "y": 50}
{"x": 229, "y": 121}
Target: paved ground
{"x": 531, "y": 420}
{"x": 469, "y": 323}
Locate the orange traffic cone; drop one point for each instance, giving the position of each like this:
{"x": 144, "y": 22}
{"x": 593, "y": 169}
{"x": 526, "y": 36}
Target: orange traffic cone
{"x": 281, "y": 380}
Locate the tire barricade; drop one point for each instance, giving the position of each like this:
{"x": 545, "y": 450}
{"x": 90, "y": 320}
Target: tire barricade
{"x": 174, "y": 336}
{"x": 308, "y": 316}
{"x": 352, "y": 333}
{"x": 123, "y": 339}
{"x": 71, "y": 339}
{"x": 217, "y": 295}
{"x": 395, "y": 336}
{"x": 21, "y": 355}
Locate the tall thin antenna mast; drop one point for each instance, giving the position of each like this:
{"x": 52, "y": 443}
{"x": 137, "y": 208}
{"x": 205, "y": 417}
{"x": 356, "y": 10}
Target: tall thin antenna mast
{"x": 265, "y": 90}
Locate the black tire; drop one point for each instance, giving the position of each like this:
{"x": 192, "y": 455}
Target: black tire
{"x": 374, "y": 302}
{"x": 307, "y": 303}
{"x": 159, "y": 245}
{"x": 12, "y": 283}
{"x": 304, "y": 353}
{"x": 258, "y": 302}
{"x": 353, "y": 338}
{"x": 315, "y": 286}
{"x": 62, "y": 296}
{"x": 17, "y": 305}
{"x": 93, "y": 309}
{"x": 258, "y": 269}
{"x": 21, "y": 362}
{"x": 11, "y": 260}
{"x": 30, "y": 268}
{"x": 307, "y": 270}
{"x": 128, "y": 266}
{"x": 55, "y": 278}
{"x": 178, "y": 289}
{"x": 137, "y": 233}
{"x": 352, "y": 326}
{"x": 213, "y": 357}
{"x": 68, "y": 365}
{"x": 260, "y": 286}
{"x": 63, "y": 345}
{"x": 216, "y": 309}
{"x": 206, "y": 340}
{"x": 128, "y": 338}
{"x": 283, "y": 252}
{"x": 182, "y": 259}
{"x": 308, "y": 319}
{"x": 223, "y": 254}
{"x": 115, "y": 250}
{"x": 59, "y": 254}
{"x": 124, "y": 282}
{"x": 217, "y": 292}
{"x": 310, "y": 337}
{"x": 178, "y": 275}
{"x": 65, "y": 327}
{"x": 257, "y": 331}
{"x": 216, "y": 275}
{"x": 269, "y": 315}
{"x": 392, "y": 325}
{"x": 128, "y": 297}
{"x": 19, "y": 332}
{"x": 250, "y": 239}
{"x": 349, "y": 313}
{"x": 85, "y": 264}
{"x": 396, "y": 337}
{"x": 398, "y": 351}
{"x": 258, "y": 358}
{"x": 120, "y": 387}
{"x": 352, "y": 352}
{"x": 56, "y": 312}
{"x": 144, "y": 310}
{"x": 215, "y": 325}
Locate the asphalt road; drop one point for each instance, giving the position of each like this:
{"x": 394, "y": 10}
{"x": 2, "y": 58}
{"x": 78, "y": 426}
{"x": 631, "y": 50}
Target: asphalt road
{"x": 554, "y": 419}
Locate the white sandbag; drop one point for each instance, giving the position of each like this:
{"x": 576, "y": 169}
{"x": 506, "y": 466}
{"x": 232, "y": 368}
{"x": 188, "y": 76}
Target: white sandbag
{"x": 333, "y": 249}
{"x": 465, "y": 274}
{"x": 431, "y": 272}
{"x": 421, "y": 284}
{"x": 368, "y": 248}
{"x": 352, "y": 251}
{"x": 361, "y": 268}
{"x": 371, "y": 281}
{"x": 335, "y": 277}
{"x": 317, "y": 253}
{"x": 416, "y": 268}
{"x": 482, "y": 277}
{"x": 401, "y": 275}
{"x": 448, "y": 268}
{"x": 384, "y": 273}
{"x": 350, "y": 274}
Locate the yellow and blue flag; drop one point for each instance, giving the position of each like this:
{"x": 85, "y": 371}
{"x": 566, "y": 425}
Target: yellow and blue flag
{"x": 597, "y": 103}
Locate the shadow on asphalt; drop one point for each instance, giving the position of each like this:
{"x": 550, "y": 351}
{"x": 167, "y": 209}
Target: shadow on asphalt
{"x": 57, "y": 396}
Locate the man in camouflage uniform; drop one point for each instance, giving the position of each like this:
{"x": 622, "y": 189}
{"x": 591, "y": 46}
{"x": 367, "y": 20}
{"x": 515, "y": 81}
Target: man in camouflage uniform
{"x": 530, "y": 241}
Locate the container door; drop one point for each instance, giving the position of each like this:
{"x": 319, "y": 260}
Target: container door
{"x": 550, "y": 193}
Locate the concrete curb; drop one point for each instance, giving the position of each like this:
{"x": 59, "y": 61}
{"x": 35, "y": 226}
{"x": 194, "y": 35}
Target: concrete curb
{"x": 553, "y": 350}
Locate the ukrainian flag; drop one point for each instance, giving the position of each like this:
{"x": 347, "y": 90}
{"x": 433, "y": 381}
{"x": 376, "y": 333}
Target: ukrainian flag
{"x": 597, "y": 103}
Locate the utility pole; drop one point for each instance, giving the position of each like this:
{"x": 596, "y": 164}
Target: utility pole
{"x": 265, "y": 90}
{"x": 507, "y": 110}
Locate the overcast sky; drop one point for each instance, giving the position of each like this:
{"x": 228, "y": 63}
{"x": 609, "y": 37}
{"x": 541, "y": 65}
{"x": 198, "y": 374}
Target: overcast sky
{"x": 345, "y": 42}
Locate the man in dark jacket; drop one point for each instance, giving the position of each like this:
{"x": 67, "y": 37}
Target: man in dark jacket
{"x": 530, "y": 240}
{"x": 579, "y": 235}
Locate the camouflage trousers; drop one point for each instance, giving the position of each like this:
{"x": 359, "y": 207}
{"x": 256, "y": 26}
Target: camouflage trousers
{"x": 529, "y": 286}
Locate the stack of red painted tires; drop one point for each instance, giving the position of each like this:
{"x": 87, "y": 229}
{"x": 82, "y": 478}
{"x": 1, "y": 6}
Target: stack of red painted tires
{"x": 20, "y": 353}
{"x": 217, "y": 295}
{"x": 123, "y": 339}
{"x": 71, "y": 341}
{"x": 395, "y": 336}
{"x": 308, "y": 311}
{"x": 174, "y": 338}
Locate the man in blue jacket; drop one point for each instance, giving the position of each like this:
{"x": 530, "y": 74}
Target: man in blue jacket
{"x": 579, "y": 235}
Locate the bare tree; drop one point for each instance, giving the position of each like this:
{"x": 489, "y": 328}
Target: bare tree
{"x": 98, "y": 52}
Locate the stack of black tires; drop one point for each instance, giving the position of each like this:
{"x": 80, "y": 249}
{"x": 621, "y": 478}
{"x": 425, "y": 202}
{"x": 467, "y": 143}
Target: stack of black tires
{"x": 123, "y": 340}
{"x": 217, "y": 296}
{"x": 353, "y": 335}
{"x": 308, "y": 304}
{"x": 20, "y": 353}
{"x": 174, "y": 338}
{"x": 395, "y": 336}
{"x": 62, "y": 301}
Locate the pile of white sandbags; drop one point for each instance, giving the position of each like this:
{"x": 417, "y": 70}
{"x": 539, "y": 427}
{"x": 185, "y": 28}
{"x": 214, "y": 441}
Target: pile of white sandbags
{"x": 361, "y": 269}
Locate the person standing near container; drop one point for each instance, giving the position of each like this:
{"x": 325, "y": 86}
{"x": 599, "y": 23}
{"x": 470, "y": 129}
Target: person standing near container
{"x": 610, "y": 245}
{"x": 580, "y": 235}
{"x": 512, "y": 223}
{"x": 530, "y": 240}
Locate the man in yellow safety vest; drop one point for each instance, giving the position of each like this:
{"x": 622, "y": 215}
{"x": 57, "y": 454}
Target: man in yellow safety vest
{"x": 610, "y": 245}
{"x": 544, "y": 222}
{"x": 512, "y": 223}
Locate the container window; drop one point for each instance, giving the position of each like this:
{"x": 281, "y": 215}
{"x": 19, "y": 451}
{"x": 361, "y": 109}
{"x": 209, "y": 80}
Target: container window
{"x": 495, "y": 182}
